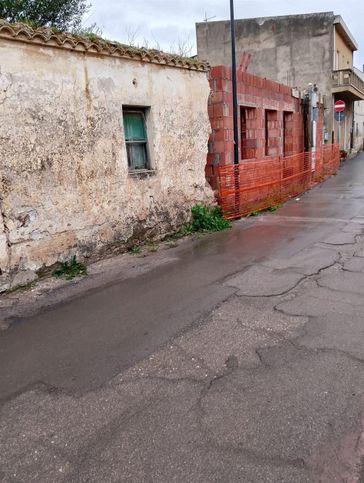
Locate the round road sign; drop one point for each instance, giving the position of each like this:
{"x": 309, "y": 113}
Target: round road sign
{"x": 340, "y": 106}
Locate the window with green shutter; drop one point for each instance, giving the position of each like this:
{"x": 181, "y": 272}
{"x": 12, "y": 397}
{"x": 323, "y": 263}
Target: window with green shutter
{"x": 136, "y": 138}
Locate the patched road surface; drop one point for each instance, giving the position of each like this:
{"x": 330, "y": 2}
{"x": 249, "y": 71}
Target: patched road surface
{"x": 236, "y": 357}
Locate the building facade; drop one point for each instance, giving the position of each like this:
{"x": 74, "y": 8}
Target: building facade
{"x": 102, "y": 145}
{"x": 296, "y": 50}
{"x": 358, "y": 127}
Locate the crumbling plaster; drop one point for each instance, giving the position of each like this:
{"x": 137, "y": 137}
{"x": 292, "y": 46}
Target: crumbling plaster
{"x": 65, "y": 185}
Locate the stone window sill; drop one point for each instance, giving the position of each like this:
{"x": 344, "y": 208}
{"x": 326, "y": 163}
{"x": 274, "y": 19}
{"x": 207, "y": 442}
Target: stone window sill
{"x": 142, "y": 173}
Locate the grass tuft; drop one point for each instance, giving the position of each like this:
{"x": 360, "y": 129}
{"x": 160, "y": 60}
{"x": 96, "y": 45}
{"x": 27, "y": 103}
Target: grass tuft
{"x": 275, "y": 207}
{"x": 134, "y": 249}
{"x": 70, "y": 269}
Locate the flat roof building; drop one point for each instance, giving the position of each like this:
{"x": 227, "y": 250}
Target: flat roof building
{"x": 295, "y": 50}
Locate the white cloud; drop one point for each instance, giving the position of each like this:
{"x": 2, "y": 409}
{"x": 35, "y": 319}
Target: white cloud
{"x": 167, "y": 21}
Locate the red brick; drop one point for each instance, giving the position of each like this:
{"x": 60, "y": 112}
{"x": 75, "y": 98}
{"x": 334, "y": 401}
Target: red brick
{"x": 220, "y": 71}
{"x": 216, "y": 97}
{"x": 216, "y": 122}
{"x": 228, "y": 122}
{"x": 217, "y": 72}
{"x": 229, "y": 146}
{"x": 219, "y": 146}
{"x": 221, "y": 109}
{"x": 223, "y": 135}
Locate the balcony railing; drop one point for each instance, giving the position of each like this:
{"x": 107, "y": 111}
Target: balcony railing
{"x": 347, "y": 80}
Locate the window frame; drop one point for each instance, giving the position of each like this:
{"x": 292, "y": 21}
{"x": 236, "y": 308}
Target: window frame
{"x": 287, "y": 118}
{"x": 267, "y": 129}
{"x": 247, "y": 115}
{"x": 143, "y": 112}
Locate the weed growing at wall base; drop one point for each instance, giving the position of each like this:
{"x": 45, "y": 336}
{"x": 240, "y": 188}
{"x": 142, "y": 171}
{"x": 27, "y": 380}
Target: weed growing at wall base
{"x": 134, "y": 249}
{"x": 206, "y": 219}
{"x": 275, "y": 207}
{"x": 70, "y": 269}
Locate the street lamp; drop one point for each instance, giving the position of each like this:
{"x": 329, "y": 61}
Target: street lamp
{"x": 233, "y": 78}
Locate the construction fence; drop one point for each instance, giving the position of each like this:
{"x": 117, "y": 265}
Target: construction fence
{"x": 255, "y": 185}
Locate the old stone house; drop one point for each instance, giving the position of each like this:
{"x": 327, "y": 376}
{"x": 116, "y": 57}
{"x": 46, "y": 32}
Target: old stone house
{"x": 101, "y": 145}
{"x": 295, "y": 50}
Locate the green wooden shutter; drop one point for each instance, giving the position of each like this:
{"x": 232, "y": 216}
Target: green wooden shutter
{"x": 136, "y": 139}
{"x": 134, "y": 126}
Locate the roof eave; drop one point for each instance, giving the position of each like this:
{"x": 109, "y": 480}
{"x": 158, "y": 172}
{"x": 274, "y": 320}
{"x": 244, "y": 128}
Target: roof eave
{"x": 345, "y": 32}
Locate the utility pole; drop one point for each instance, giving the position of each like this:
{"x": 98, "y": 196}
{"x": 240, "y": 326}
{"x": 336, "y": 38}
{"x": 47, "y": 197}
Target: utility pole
{"x": 233, "y": 78}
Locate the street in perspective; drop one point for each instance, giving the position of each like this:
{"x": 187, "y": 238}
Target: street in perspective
{"x": 181, "y": 243}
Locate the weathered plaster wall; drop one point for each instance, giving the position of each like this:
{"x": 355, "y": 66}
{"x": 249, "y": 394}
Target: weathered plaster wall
{"x": 359, "y": 126}
{"x": 359, "y": 119}
{"x": 65, "y": 185}
{"x": 294, "y": 50}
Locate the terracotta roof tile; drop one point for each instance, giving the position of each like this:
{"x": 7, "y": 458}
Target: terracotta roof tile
{"x": 95, "y": 45}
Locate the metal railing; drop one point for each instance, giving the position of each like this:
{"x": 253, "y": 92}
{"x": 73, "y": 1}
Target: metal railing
{"x": 348, "y": 78}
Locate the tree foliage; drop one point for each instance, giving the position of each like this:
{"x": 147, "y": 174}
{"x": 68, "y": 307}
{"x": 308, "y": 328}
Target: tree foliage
{"x": 65, "y": 15}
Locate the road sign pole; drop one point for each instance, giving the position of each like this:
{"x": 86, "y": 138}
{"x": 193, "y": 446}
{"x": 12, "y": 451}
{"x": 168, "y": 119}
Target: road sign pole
{"x": 338, "y": 135}
{"x": 235, "y": 110}
{"x": 234, "y": 84}
{"x": 339, "y": 108}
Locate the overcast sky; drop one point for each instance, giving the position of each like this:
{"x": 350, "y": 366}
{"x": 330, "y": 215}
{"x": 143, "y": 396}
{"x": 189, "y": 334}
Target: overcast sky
{"x": 166, "y": 22}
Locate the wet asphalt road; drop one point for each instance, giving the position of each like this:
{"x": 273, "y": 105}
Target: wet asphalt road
{"x": 79, "y": 345}
{"x": 237, "y": 358}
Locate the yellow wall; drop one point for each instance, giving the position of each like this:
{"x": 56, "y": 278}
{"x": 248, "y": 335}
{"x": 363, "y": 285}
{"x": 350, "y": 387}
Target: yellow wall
{"x": 343, "y": 54}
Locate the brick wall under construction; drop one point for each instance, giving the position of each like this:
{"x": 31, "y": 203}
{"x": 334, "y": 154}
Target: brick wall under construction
{"x": 272, "y": 136}
{"x": 271, "y": 120}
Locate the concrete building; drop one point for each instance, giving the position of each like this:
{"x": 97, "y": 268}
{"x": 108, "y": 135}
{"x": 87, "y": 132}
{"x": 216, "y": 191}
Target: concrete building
{"x": 295, "y": 50}
{"x": 101, "y": 145}
{"x": 358, "y": 127}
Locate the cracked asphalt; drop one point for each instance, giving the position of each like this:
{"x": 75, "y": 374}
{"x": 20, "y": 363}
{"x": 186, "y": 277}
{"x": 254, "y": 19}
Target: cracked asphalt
{"x": 237, "y": 357}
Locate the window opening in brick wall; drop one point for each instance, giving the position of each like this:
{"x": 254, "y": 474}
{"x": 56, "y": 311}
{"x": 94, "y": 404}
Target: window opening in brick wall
{"x": 271, "y": 133}
{"x": 248, "y": 132}
{"x": 136, "y": 138}
{"x": 287, "y": 133}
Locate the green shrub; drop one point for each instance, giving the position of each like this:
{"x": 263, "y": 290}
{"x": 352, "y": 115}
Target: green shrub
{"x": 207, "y": 219}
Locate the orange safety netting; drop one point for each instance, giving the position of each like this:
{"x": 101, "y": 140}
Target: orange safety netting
{"x": 254, "y": 185}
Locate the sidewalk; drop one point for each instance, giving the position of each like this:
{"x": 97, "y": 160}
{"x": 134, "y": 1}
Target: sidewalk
{"x": 236, "y": 357}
